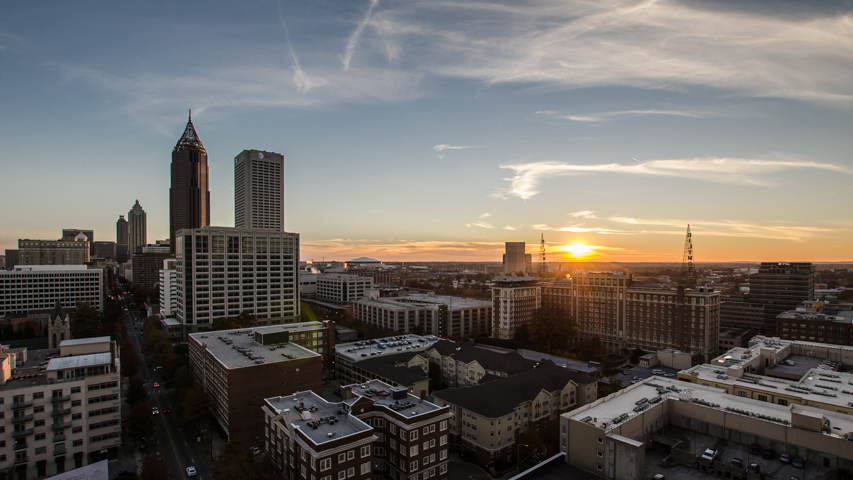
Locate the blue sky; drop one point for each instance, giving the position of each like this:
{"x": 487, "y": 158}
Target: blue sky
{"x": 437, "y": 130}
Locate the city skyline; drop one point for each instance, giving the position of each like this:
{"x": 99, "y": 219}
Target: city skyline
{"x": 429, "y": 131}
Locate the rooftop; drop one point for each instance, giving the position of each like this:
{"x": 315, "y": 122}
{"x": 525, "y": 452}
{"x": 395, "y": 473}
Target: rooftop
{"x": 319, "y": 420}
{"x": 83, "y": 341}
{"x": 423, "y": 300}
{"x": 394, "y": 399}
{"x": 79, "y": 361}
{"x": 355, "y": 351}
{"x": 238, "y": 348}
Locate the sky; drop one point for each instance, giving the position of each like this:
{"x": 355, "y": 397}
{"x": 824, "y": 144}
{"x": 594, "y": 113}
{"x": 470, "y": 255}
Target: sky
{"x": 438, "y": 130}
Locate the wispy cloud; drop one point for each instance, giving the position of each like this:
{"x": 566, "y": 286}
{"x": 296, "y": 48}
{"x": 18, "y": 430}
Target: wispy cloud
{"x": 353, "y": 39}
{"x": 508, "y": 228}
{"x": 575, "y": 229}
{"x": 479, "y": 224}
{"x": 391, "y": 250}
{"x": 485, "y": 215}
{"x": 743, "y": 171}
{"x": 602, "y": 117}
{"x": 583, "y": 214}
{"x": 726, "y": 228}
{"x": 441, "y": 148}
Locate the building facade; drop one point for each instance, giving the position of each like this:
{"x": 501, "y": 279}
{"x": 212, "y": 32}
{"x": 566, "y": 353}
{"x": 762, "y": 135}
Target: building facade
{"x": 53, "y": 252}
{"x": 189, "y": 194}
{"x": 259, "y": 190}
{"x": 39, "y": 287}
{"x": 104, "y": 250}
{"x": 70, "y": 234}
{"x": 225, "y": 271}
{"x": 147, "y": 262}
{"x": 515, "y": 260}
{"x": 515, "y": 301}
{"x": 60, "y": 411}
{"x": 238, "y": 369}
{"x": 343, "y": 288}
{"x": 168, "y": 288}
{"x": 122, "y": 250}
{"x": 426, "y": 314}
{"x": 780, "y": 286}
{"x": 137, "y": 228}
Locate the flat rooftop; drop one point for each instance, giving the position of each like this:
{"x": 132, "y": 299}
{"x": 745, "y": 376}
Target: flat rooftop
{"x": 84, "y": 341}
{"x": 321, "y": 421}
{"x": 79, "y": 361}
{"x": 423, "y": 300}
{"x": 575, "y": 365}
{"x": 409, "y": 406}
{"x": 32, "y": 372}
{"x": 356, "y": 351}
{"x": 626, "y": 404}
{"x": 238, "y": 348}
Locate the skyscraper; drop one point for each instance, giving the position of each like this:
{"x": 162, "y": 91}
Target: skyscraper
{"x": 137, "y": 229}
{"x": 121, "y": 240}
{"x": 780, "y": 286}
{"x": 515, "y": 261}
{"x": 189, "y": 195}
{"x": 259, "y": 190}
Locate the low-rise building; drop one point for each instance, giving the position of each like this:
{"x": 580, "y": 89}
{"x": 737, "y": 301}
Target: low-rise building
{"x": 61, "y": 407}
{"x": 343, "y": 288}
{"x": 430, "y": 314}
{"x": 348, "y": 357}
{"x": 39, "y": 287}
{"x": 377, "y": 431}
{"x": 464, "y": 364}
{"x": 489, "y": 418}
{"x": 238, "y": 369}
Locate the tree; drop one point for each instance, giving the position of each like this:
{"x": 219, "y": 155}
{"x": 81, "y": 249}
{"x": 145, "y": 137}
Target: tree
{"x": 235, "y": 461}
{"x": 550, "y": 326}
{"x": 129, "y": 361}
{"x": 193, "y": 405}
{"x": 636, "y": 354}
{"x": 136, "y": 392}
{"x": 155, "y": 468}
{"x": 85, "y": 321}
{"x": 522, "y": 334}
{"x": 140, "y": 294}
{"x": 593, "y": 349}
{"x": 140, "y": 423}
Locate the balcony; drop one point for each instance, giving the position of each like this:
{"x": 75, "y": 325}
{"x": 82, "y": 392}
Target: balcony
{"x": 20, "y": 460}
{"x": 22, "y": 404}
{"x": 56, "y": 412}
{"x": 22, "y": 433}
{"x": 22, "y": 418}
{"x": 58, "y": 399}
{"x": 21, "y": 446}
{"x": 59, "y": 450}
{"x": 58, "y": 438}
{"x": 60, "y": 425}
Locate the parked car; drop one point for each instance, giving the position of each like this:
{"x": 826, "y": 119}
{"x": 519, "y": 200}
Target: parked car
{"x": 659, "y": 476}
{"x": 710, "y": 454}
{"x": 768, "y": 454}
{"x": 754, "y": 468}
{"x": 191, "y": 471}
{"x": 785, "y": 458}
{"x": 738, "y": 463}
{"x": 798, "y": 462}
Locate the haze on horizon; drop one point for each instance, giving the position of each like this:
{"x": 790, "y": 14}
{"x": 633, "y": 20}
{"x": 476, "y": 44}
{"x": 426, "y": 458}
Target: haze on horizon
{"x": 437, "y": 131}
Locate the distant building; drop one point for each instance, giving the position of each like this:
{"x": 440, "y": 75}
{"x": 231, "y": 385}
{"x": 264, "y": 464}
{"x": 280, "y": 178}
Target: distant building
{"x": 735, "y": 312}
{"x": 426, "y": 314}
{"x": 189, "y": 194}
{"x": 238, "y": 369}
{"x": 308, "y": 285}
{"x": 53, "y": 252}
{"x": 168, "y": 288}
{"x": 515, "y": 301}
{"x": 349, "y": 355}
{"x": 780, "y": 286}
{"x": 70, "y": 235}
{"x": 147, "y": 262}
{"x": 61, "y": 409}
{"x": 835, "y": 328}
{"x": 599, "y": 307}
{"x": 259, "y": 190}
{"x": 342, "y": 288}
{"x": 464, "y": 364}
{"x": 515, "y": 260}
{"x": 104, "y": 250}
{"x": 122, "y": 249}
{"x": 731, "y": 337}
{"x": 11, "y": 259}
{"x": 377, "y": 431}
{"x": 35, "y": 287}
{"x": 225, "y": 271}
{"x": 137, "y": 228}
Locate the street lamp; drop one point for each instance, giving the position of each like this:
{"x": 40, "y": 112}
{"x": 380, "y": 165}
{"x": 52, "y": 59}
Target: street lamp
{"x": 518, "y": 453}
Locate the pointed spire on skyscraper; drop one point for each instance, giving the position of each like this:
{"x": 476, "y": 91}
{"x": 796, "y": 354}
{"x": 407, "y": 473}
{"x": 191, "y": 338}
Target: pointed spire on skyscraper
{"x": 189, "y": 140}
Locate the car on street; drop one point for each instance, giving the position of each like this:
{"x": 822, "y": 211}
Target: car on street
{"x": 156, "y": 384}
{"x": 710, "y": 454}
{"x": 155, "y": 410}
{"x": 255, "y": 450}
{"x": 798, "y": 462}
{"x": 191, "y": 471}
{"x": 785, "y": 458}
{"x": 754, "y": 468}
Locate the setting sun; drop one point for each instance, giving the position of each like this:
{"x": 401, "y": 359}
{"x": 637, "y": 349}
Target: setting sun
{"x": 578, "y": 250}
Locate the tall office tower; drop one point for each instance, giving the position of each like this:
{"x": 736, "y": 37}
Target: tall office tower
{"x": 223, "y": 271}
{"x": 122, "y": 253}
{"x": 189, "y": 195}
{"x": 515, "y": 261}
{"x": 259, "y": 190}
{"x": 780, "y": 286}
{"x": 515, "y": 301}
{"x": 137, "y": 229}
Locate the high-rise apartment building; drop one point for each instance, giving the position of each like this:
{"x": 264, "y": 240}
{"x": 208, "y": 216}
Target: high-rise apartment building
{"x": 598, "y": 307}
{"x": 168, "y": 288}
{"x": 343, "y": 288}
{"x": 259, "y": 190}
{"x": 515, "y": 261}
{"x": 780, "y": 286}
{"x": 515, "y": 301}
{"x": 137, "y": 228}
{"x": 189, "y": 195}
{"x": 122, "y": 251}
{"x": 223, "y": 271}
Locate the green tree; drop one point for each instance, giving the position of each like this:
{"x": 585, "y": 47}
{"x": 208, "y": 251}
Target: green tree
{"x": 522, "y": 334}
{"x": 85, "y": 321}
{"x": 140, "y": 423}
{"x": 136, "y": 392}
{"x": 155, "y": 468}
{"x": 550, "y": 326}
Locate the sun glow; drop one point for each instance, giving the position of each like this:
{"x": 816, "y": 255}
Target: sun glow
{"x": 578, "y": 250}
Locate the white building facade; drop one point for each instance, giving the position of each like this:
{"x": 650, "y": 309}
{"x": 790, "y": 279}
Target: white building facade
{"x": 168, "y": 287}
{"x": 515, "y": 301}
{"x": 38, "y": 287}
{"x": 259, "y": 190}
{"x": 343, "y": 288}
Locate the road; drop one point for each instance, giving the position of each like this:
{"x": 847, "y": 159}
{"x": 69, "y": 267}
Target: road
{"x": 178, "y": 445}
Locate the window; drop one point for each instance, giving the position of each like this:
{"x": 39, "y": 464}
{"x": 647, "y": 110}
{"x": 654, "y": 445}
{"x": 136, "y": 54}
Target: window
{"x": 76, "y": 429}
{"x": 351, "y": 472}
{"x": 350, "y": 454}
{"x": 413, "y": 466}
{"x": 76, "y": 403}
{"x": 40, "y": 450}
{"x": 75, "y": 389}
{"x": 443, "y": 425}
{"x": 342, "y": 457}
{"x": 431, "y": 443}
{"x": 38, "y": 423}
{"x": 392, "y": 428}
{"x": 365, "y": 451}
{"x": 443, "y": 440}
{"x": 600, "y": 440}
{"x": 442, "y": 468}
{"x": 37, "y": 409}
{"x": 365, "y": 468}
{"x": 38, "y": 395}
{"x": 77, "y": 443}
{"x": 432, "y": 428}
{"x": 426, "y": 430}
{"x": 599, "y": 453}
{"x": 413, "y": 451}
{"x": 442, "y": 454}
{"x": 325, "y": 464}
{"x": 342, "y": 475}
{"x": 413, "y": 435}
